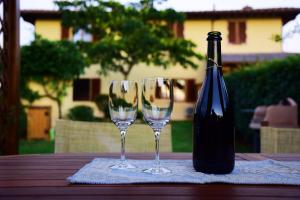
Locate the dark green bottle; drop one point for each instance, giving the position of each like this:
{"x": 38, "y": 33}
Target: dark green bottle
{"x": 213, "y": 127}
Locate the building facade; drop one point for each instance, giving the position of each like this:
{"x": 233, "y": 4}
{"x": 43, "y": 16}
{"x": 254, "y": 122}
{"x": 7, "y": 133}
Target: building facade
{"x": 247, "y": 38}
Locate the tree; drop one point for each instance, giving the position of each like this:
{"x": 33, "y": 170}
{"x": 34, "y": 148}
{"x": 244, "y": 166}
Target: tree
{"x": 52, "y": 65}
{"x": 295, "y": 30}
{"x": 126, "y": 36}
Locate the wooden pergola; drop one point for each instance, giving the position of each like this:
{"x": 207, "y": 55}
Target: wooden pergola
{"x": 9, "y": 76}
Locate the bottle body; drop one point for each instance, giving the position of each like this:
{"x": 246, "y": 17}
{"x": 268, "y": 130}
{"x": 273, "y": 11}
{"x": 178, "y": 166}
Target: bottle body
{"x": 213, "y": 126}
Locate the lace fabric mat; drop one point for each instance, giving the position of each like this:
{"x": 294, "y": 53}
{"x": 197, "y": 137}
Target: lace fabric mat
{"x": 245, "y": 172}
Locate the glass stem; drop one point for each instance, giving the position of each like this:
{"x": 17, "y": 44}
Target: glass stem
{"x": 157, "y": 134}
{"x": 123, "y": 134}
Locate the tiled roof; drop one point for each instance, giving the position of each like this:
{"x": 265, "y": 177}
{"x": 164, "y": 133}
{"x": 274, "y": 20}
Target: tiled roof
{"x": 252, "y": 58}
{"x": 285, "y": 13}
{"x": 32, "y": 15}
{"x": 246, "y": 12}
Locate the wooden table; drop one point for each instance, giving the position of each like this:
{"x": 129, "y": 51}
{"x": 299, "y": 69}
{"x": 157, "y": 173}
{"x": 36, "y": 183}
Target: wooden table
{"x": 44, "y": 177}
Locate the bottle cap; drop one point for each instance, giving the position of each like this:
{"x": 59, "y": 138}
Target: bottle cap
{"x": 214, "y": 35}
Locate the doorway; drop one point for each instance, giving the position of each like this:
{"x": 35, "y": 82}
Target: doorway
{"x": 38, "y": 122}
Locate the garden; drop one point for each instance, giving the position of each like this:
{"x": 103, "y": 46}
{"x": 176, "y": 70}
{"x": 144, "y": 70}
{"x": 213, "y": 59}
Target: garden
{"x": 264, "y": 83}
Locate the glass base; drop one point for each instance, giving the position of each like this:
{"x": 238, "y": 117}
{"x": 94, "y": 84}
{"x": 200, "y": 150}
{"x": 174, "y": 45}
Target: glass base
{"x": 123, "y": 165}
{"x": 157, "y": 170}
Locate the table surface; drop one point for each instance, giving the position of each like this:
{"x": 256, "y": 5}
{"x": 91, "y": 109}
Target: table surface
{"x": 44, "y": 177}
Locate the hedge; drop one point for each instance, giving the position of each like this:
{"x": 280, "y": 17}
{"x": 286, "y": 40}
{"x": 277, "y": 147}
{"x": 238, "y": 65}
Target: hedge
{"x": 81, "y": 113}
{"x": 262, "y": 84}
{"x": 102, "y": 104}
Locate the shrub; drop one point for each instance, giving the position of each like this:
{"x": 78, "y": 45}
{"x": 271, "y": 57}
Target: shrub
{"x": 102, "y": 104}
{"x": 81, "y": 113}
{"x": 262, "y": 84}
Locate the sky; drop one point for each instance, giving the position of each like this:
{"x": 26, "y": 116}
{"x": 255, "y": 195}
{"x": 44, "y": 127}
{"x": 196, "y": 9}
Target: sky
{"x": 290, "y": 43}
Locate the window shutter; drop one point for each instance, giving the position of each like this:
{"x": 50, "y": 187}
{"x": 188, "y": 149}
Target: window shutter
{"x": 242, "y": 32}
{"x": 65, "y": 32}
{"x": 174, "y": 29}
{"x": 95, "y": 90}
{"x": 180, "y": 29}
{"x": 86, "y": 89}
{"x": 177, "y": 29}
{"x": 231, "y": 32}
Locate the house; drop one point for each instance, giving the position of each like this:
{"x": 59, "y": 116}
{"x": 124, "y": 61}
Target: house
{"x": 247, "y": 38}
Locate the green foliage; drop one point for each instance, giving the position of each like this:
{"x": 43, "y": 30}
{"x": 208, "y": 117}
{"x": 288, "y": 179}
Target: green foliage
{"x": 51, "y": 64}
{"x": 58, "y": 60}
{"x": 102, "y": 104}
{"x": 23, "y": 123}
{"x": 128, "y": 35}
{"x": 36, "y": 147}
{"x": 277, "y": 38}
{"x": 263, "y": 84}
{"x": 81, "y": 113}
{"x": 120, "y": 102}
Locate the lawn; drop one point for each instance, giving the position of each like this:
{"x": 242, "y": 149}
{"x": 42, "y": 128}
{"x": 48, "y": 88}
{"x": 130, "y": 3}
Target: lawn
{"x": 181, "y": 140}
{"x": 182, "y": 136}
{"x": 36, "y": 147}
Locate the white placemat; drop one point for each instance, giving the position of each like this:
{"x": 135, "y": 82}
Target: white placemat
{"x": 245, "y": 172}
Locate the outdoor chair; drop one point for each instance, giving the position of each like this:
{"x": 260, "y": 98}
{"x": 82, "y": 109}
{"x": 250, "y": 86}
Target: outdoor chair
{"x": 258, "y": 117}
{"x": 255, "y": 124}
{"x": 77, "y": 137}
{"x": 279, "y": 132}
{"x": 281, "y": 115}
{"x": 280, "y": 140}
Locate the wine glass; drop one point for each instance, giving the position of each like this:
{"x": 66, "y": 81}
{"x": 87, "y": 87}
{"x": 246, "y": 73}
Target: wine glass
{"x": 123, "y": 104}
{"x": 157, "y": 102}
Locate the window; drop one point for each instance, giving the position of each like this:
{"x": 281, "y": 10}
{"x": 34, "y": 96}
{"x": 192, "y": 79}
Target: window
{"x": 86, "y": 89}
{"x": 237, "y": 32}
{"x": 65, "y": 32}
{"x": 82, "y": 35}
{"x": 185, "y": 90}
{"x": 162, "y": 91}
{"x": 178, "y": 29}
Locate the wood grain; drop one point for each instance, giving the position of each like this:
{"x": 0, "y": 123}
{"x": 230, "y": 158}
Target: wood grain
{"x": 44, "y": 177}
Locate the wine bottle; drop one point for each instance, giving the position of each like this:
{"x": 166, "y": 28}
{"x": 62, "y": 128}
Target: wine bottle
{"x": 213, "y": 127}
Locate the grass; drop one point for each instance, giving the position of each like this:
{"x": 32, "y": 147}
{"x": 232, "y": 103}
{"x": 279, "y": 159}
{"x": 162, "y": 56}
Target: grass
{"x": 182, "y": 136}
{"x": 182, "y": 141}
{"x": 36, "y": 147}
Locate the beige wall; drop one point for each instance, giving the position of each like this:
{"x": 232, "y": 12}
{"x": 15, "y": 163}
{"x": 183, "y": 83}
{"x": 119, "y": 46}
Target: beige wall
{"x": 141, "y": 71}
{"x": 50, "y": 29}
{"x": 259, "y": 34}
{"x": 137, "y": 74}
{"x": 66, "y": 105}
{"x": 258, "y": 31}
{"x": 258, "y": 41}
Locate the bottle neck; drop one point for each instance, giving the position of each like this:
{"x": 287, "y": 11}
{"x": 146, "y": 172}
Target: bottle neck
{"x": 214, "y": 53}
